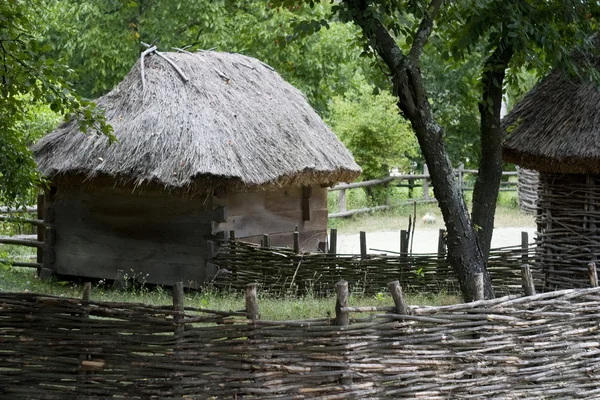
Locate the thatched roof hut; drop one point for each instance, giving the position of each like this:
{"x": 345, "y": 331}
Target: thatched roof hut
{"x": 555, "y": 130}
{"x": 213, "y": 141}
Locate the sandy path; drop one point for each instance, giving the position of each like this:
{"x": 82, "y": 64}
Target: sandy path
{"x": 426, "y": 240}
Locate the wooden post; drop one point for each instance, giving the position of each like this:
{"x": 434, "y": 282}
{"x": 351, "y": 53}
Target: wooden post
{"x": 266, "y": 241}
{"x": 87, "y": 292}
{"x": 528, "y": 286}
{"x": 593, "y": 274}
{"x": 306, "y": 195}
{"x": 178, "y": 297}
{"x": 398, "y": 296}
{"x": 363, "y": 244}
{"x": 296, "y": 242}
{"x": 461, "y": 177}
{"x": 48, "y": 269}
{"x": 404, "y": 243}
{"x": 231, "y": 236}
{"x": 341, "y": 318}
{"x": 426, "y": 182}
{"x": 252, "y": 301}
{"x": 411, "y": 185}
{"x": 441, "y": 244}
{"x": 524, "y": 247}
{"x": 342, "y": 200}
{"x": 40, "y": 229}
{"x": 478, "y": 283}
{"x": 333, "y": 241}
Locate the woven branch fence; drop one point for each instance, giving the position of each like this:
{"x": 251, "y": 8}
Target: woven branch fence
{"x": 281, "y": 270}
{"x": 527, "y": 189}
{"x": 539, "y": 346}
{"x": 568, "y": 220}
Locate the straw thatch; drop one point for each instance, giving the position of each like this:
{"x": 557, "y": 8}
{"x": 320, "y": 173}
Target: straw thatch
{"x": 556, "y": 127}
{"x": 236, "y": 122}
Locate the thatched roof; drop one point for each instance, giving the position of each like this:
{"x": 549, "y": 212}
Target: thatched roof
{"x": 556, "y": 127}
{"x": 236, "y": 122}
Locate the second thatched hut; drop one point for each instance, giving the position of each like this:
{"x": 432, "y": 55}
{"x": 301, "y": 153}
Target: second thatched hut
{"x": 555, "y": 130}
{"x": 207, "y": 143}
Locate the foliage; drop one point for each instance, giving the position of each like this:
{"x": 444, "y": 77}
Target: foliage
{"x": 30, "y": 79}
{"x": 368, "y": 123}
{"x": 102, "y": 39}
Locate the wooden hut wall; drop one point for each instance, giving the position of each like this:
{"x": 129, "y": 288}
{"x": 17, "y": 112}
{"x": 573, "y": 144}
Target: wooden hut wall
{"x": 152, "y": 238}
{"x": 277, "y": 213}
{"x": 527, "y": 189}
{"x": 568, "y": 216}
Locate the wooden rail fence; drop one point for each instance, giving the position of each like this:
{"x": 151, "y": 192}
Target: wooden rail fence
{"x": 412, "y": 181}
{"x": 514, "y": 347}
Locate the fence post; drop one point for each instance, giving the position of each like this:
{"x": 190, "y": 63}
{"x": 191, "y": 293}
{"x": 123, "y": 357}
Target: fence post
{"x": 179, "y": 329}
{"x": 527, "y": 277}
{"x": 296, "y": 242}
{"x": 83, "y": 358}
{"x": 252, "y": 301}
{"x": 231, "y": 236}
{"x": 342, "y": 200}
{"x": 404, "y": 243}
{"x": 333, "y": 241}
{"x": 426, "y": 182}
{"x": 40, "y": 229}
{"x": 441, "y": 244}
{"x": 342, "y": 318}
{"x": 593, "y": 274}
{"x": 363, "y": 245}
{"x": 461, "y": 177}
{"x": 266, "y": 241}
{"x": 398, "y": 296}
{"x": 524, "y": 247}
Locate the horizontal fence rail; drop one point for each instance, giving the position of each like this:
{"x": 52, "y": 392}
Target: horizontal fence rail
{"x": 515, "y": 347}
{"x": 412, "y": 181}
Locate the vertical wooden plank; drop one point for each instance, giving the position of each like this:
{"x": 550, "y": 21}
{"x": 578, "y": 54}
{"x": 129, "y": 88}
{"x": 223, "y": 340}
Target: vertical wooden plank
{"x": 342, "y": 200}
{"x": 528, "y": 286}
{"x": 524, "y": 247}
{"x": 87, "y": 291}
{"x": 40, "y": 229}
{"x": 231, "y": 236}
{"x": 296, "y": 242}
{"x": 342, "y": 318}
{"x": 398, "y": 296}
{"x": 306, "y": 194}
{"x": 363, "y": 244}
{"x": 48, "y": 269}
{"x": 426, "y": 182}
{"x": 593, "y": 274}
{"x": 252, "y": 301}
{"x": 333, "y": 241}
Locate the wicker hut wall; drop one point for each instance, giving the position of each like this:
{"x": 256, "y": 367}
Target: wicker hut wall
{"x": 527, "y": 189}
{"x": 568, "y": 238}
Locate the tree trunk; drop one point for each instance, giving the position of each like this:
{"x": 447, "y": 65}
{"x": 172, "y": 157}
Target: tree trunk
{"x": 485, "y": 192}
{"x": 464, "y": 252}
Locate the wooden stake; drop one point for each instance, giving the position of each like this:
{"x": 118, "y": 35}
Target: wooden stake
{"x": 441, "y": 244}
{"x": 252, "y": 301}
{"x": 593, "y": 274}
{"x": 363, "y": 244}
{"x": 398, "y": 296}
{"x": 403, "y": 243}
{"x": 528, "y": 286}
{"x": 333, "y": 241}
{"x": 266, "y": 241}
{"x": 296, "y": 242}
{"x": 341, "y": 318}
{"x": 525, "y": 248}
{"x": 179, "y": 328}
{"x": 87, "y": 291}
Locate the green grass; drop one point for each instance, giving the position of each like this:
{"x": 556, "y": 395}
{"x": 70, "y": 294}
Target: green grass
{"x": 271, "y": 307}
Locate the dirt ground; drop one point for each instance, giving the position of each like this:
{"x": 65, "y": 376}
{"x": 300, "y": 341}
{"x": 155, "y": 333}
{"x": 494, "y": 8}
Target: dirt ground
{"x": 425, "y": 241}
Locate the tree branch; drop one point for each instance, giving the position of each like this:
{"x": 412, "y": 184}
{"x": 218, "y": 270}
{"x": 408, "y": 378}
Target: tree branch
{"x": 424, "y": 30}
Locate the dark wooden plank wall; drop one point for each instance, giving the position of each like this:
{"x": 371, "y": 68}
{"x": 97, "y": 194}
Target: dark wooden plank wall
{"x": 156, "y": 239}
{"x": 276, "y": 213}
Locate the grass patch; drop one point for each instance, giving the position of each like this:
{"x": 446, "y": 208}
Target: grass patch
{"x": 271, "y": 307}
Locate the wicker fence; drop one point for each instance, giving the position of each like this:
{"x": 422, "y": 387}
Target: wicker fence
{"x": 282, "y": 270}
{"x": 538, "y": 346}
